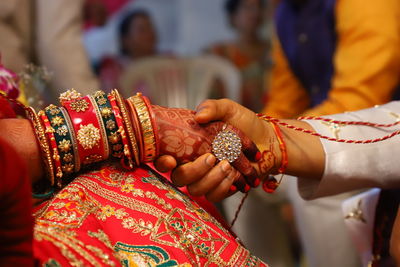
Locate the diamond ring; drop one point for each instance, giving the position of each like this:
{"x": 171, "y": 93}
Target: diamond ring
{"x": 227, "y": 145}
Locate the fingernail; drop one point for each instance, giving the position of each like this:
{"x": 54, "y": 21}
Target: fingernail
{"x": 210, "y": 160}
{"x": 258, "y": 156}
{"x": 231, "y": 175}
{"x": 247, "y": 188}
{"x": 233, "y": 188}
{"x": 225, "y": 166}
{"x": 256, "y": 182}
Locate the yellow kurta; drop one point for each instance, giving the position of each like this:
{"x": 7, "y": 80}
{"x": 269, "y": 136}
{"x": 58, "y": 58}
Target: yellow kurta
{"x": 366, "y": 63}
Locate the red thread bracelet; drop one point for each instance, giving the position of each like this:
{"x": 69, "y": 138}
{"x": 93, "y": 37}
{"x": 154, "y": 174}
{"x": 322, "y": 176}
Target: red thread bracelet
{"x": 360, "y": 123}
{"x": 271, "y": 184}
{"x": 347, "y": 141}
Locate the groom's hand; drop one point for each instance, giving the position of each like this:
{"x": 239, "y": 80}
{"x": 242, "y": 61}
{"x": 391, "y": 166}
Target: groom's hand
{"x": 204, "y": 176}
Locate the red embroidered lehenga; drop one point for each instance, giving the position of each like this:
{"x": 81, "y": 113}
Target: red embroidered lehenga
{"x": 114, "y": 217}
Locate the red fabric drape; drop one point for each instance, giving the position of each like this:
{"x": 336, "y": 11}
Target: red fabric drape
{"x": 16, "y": 223}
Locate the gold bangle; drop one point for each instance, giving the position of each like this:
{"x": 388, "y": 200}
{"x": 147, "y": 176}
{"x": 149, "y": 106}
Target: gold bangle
{"x": 128, "y": 125}
{"x": 149, "y": 140}
{"x": 43, "y": 143}
{"x": 103, "y": 128}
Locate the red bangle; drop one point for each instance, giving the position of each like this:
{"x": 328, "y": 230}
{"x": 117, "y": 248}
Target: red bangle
{"x": 53, "y": 146}
{"x": 90, "y": 139}
{"x": 128, "y": 125}
{"x": 43, "y": 143}
{"x": 102, "y": 127}
{"x": 121, "y": 131}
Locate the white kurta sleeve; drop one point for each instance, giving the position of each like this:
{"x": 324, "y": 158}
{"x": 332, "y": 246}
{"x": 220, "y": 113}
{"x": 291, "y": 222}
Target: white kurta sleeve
{"x": 356, "y": 166}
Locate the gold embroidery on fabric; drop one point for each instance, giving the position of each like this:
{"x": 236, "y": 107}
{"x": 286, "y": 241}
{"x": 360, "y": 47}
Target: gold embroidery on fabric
{"x": 65, "y": 243}
{"x": 105, "y": 258}
{"x": 102, "y": 237}
{"x": 174, "y": 227}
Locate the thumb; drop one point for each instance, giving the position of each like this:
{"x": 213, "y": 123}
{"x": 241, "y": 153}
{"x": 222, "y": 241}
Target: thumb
{"x": 230, "y": 112}
{"x": 217, "y": 110}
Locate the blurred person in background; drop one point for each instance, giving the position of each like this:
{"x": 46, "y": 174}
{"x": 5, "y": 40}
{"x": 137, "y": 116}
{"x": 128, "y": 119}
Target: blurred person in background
{"x": 138, "y": 39}
{"x": 94, "y": 14}
{"x": 97, "y": 12}
{"x": 47, "y": 33}
{"x": 248, "y": 51}
{"x": 331, "y": 57}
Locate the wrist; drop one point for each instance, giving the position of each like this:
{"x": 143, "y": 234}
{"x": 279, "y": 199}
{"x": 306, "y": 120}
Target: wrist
{"x": 271, "y": 155}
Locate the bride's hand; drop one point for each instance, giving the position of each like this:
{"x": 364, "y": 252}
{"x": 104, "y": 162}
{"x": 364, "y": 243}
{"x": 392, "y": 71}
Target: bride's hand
{"x": 183, "y": 138}
{"x": 200, "y": 175}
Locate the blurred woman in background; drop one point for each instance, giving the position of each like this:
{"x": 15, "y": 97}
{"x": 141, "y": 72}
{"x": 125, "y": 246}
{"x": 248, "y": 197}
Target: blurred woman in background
{"x": 138, "y": 39}
{"x": 248, "y": 51}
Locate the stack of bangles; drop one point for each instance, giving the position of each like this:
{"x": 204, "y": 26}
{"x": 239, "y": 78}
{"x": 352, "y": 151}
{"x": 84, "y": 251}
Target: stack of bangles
{"x": 89, "y": 129}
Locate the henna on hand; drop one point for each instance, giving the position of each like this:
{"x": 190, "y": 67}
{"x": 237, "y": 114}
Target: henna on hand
{"x": 182, "y": 137}
{"x": 268, "y": 160}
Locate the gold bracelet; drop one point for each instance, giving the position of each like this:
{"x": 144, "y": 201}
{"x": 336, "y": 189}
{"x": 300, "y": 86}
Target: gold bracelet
{"x": 149, "y": 140}
{"x": 128, "y": 125}
{"x": 43, "y": 143}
